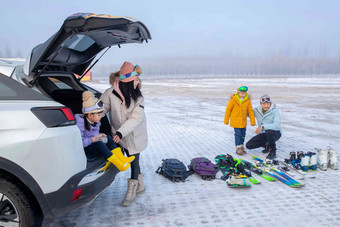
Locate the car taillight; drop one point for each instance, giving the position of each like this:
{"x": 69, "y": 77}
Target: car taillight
{"x": 76, "y": 194}
{"x": 54, "y": 116}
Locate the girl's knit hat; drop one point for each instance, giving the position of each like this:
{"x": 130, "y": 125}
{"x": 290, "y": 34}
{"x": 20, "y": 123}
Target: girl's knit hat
{"x": 128, "y": 72}
{"x": 91, "y": 104}
{"x": 242, "y": 89}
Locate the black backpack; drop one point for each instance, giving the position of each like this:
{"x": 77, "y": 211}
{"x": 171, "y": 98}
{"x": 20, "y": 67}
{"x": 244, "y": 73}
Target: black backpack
{"x": 173, "y": 169}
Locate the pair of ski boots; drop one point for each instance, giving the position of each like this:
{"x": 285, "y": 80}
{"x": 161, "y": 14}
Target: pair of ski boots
{"x": 327, "y": 158}
{"x": 304, "y": 161}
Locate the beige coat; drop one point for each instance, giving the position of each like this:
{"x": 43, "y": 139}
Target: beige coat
{"x": 131, "y": 122}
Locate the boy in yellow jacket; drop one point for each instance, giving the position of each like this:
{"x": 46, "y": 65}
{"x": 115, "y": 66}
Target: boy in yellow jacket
{"x": 239, "y": 106}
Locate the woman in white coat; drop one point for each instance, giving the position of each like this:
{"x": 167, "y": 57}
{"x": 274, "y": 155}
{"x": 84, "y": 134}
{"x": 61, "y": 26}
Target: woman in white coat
{"x": 125, "y": 103}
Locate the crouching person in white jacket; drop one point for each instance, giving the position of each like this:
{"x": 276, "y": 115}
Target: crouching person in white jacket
{"x": 125, "y": 103}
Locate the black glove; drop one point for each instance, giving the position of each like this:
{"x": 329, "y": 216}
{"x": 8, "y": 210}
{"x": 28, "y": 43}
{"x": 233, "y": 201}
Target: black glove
{"x": 119, "y": 134}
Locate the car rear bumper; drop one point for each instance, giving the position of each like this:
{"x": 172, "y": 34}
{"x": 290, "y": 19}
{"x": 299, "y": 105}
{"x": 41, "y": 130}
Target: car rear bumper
{"x": 60, "y": 201}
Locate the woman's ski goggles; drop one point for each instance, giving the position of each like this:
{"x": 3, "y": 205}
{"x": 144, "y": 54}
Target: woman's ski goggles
{"x": 99, "y": 104}
{"x": 136, "y": 72}
{"x": 243, "y": 89}
{"x": 266, "y": 99}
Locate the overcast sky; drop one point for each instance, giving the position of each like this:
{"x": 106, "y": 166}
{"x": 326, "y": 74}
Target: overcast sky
{"x": 179, "y": 27}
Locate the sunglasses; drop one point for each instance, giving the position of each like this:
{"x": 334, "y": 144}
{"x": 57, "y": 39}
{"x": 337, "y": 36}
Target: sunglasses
{"x": 264, "y": 100}
{"x": 99, "y": 104}
{"x": 137, "y": 70}
{"x": 243, "y": 88}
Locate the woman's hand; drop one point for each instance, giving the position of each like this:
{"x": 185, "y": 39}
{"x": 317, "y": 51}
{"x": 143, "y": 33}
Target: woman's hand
{"x": 94, "y": 139}
{"x": 258, "y": 130}
{"x": 116, "y": 138}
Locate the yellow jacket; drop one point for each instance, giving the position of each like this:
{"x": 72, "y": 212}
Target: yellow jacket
{"x": 237, "y": 111}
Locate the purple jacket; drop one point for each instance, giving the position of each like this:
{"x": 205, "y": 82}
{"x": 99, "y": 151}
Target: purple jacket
{"x": 85, "y": 134}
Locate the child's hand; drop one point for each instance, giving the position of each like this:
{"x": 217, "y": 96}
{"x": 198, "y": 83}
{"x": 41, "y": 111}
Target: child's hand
{"x": 94, "y": 139}
{"x": 101, "y": 135}
{"x": 258, "y": 130}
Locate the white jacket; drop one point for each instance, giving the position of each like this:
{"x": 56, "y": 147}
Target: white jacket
{"x": 131, "y": 122}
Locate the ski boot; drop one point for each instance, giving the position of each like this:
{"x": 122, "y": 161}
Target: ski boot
{"x": 322, "y": 159}
{"x": 299, "y": 155}
{"x": 333, "y": 160}
{"x": 312, "y": 161}
{"x": 305, "y": 162}
{"x": 292, "y": 155}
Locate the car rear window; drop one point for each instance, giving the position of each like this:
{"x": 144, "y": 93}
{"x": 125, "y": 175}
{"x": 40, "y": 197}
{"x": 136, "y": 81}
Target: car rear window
{"x": 13, "y": 90}
{"x": 79, "y": 43}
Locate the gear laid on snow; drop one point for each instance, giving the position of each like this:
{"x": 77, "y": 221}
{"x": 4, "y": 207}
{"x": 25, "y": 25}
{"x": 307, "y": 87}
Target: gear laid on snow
{"x": 312, "y": 161}
{"x": 203, "y": 167}
{"x": 174, "y": 170}
{"x": 322, "y": 159}
{"x": 238, "y": 181}
{"x": 305, "y": 162}
{"x": 333, "y": 159}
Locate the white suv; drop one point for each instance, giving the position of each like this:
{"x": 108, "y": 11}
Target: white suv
{"x": 44, "y": 171}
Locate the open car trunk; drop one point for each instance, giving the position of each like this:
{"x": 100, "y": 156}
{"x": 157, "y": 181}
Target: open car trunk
{"x": 67, "y": 90}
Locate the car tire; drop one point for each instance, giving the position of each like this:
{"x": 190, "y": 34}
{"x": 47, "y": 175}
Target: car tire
{"x": 16, "y": 206}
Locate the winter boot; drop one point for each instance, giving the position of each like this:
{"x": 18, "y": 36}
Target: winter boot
{"x": 312, "y": 161}
{"x": 266, "y": 149}
{"x": 333, "y": 159}
{"x": 271, "y": 155}
{"x": 240, "y": 150}
{"x": 131, "y": 192}
{"x": 141, "y": 187}
{"x": 322, "y": 159}
{"x": 305, "y": 162}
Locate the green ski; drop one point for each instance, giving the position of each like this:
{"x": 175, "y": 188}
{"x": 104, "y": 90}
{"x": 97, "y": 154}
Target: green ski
{"x": 254, "y": 180}
{"x": 263, "y": 175}
{"x": 283, "y": 177}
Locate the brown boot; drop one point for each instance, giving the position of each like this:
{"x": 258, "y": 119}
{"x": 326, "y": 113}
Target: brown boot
{"x": 240, "y": 150}
{"x": 141, "y": 187}
{"x": 131, "y": 192}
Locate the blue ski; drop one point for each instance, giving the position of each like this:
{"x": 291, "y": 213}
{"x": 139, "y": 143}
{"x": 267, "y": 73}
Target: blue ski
{"x": 282, "y": 174}
{"x": 283, "y": 180}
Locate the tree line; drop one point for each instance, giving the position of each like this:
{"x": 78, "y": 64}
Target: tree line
{"x": 231, "y": 65}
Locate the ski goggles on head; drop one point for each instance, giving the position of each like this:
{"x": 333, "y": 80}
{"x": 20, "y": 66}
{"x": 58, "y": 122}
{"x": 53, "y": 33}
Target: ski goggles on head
{"x": 243, "y": 89}
{"x": 99, "y": 104}
{"x": 265, "y": 99}
{"x": 137, "y": 71}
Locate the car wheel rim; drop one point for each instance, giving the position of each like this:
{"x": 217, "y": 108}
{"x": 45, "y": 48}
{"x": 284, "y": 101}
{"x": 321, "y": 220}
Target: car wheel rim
{"x": 8, "y": 213}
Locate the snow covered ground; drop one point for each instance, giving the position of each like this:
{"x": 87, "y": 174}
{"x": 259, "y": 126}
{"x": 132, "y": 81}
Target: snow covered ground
{"x": 185, "y": 120}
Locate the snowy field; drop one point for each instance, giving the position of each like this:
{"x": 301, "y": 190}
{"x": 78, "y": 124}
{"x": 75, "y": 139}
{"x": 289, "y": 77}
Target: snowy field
{"x": 185, "y": 120}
